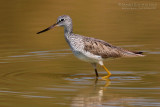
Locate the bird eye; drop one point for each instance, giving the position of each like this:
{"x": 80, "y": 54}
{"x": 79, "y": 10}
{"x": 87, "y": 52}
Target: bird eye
{"x": 61, "y": 20}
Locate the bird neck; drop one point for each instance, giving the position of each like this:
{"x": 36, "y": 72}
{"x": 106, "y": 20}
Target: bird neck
{"x": 68, "y": 29}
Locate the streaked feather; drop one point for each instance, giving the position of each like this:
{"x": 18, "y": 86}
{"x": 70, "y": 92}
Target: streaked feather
{"x": 106, "y": 50}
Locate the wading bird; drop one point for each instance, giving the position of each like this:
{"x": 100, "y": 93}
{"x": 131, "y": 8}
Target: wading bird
{"x": 89, "y": 49}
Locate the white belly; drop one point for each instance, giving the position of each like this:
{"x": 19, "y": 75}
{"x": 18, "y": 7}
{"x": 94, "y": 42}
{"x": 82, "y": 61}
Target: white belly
{"x": 88, "y": 57}
{"x": 77, "y": 47}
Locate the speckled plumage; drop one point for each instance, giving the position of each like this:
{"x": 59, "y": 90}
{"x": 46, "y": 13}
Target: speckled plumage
{"x": 94, "y": 50}
{"x": 90, "y": 49}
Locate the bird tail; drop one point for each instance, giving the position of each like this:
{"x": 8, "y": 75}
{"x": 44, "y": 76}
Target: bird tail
{"x": 138, "y": 53}
{"x": 133, "y": 54}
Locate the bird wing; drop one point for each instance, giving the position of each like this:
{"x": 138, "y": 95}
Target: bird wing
{"x": 102, "y": 48}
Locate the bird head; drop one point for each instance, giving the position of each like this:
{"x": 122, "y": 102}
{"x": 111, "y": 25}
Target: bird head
{"x": 64, "y": 20}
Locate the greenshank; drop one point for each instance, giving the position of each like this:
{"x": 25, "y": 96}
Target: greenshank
{"x": 89, "y": 49}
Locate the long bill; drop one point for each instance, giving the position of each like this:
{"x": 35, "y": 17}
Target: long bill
{"x": 48, "y": 28}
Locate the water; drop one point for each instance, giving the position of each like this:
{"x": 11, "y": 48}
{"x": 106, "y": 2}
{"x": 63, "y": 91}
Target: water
{"x": 40, "y": 70}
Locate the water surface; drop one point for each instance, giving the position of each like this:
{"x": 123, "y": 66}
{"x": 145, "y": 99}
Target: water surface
{"x": 40, "y": 70}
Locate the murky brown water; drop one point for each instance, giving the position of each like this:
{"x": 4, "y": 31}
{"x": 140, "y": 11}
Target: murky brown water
{"x": 40, "y": 70}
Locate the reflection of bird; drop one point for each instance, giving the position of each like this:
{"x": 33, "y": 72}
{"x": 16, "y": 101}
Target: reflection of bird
{"x": 90, "y": 49}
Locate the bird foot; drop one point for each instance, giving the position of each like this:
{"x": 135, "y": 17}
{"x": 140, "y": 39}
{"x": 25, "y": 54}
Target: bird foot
{"x": 106, "y": 77}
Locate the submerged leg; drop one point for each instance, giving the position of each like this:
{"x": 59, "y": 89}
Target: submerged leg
{"x": 95, "y": 69}
{"x": 96, "y": 72}
{"x": 109, "y": 73}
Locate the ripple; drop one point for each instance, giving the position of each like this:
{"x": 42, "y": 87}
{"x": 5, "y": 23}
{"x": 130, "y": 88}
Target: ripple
{"x": 35, "y": 96}
{"x": 158, "y": 52}
{"x": 23, "y": 56}
{"x": 137, "y": 88}
{"x": 13, "y": 92}
{"x": 123, "y": 75}
{"x": 60, "y": 89}
{"x": 24, "y": 94}
{"x": 127, "y": 78}
{"x": 131, "y": 45}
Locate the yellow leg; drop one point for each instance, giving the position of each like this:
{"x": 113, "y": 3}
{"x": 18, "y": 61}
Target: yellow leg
{"x": 109, "y": 74}
{"x": 108, "y": 82}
